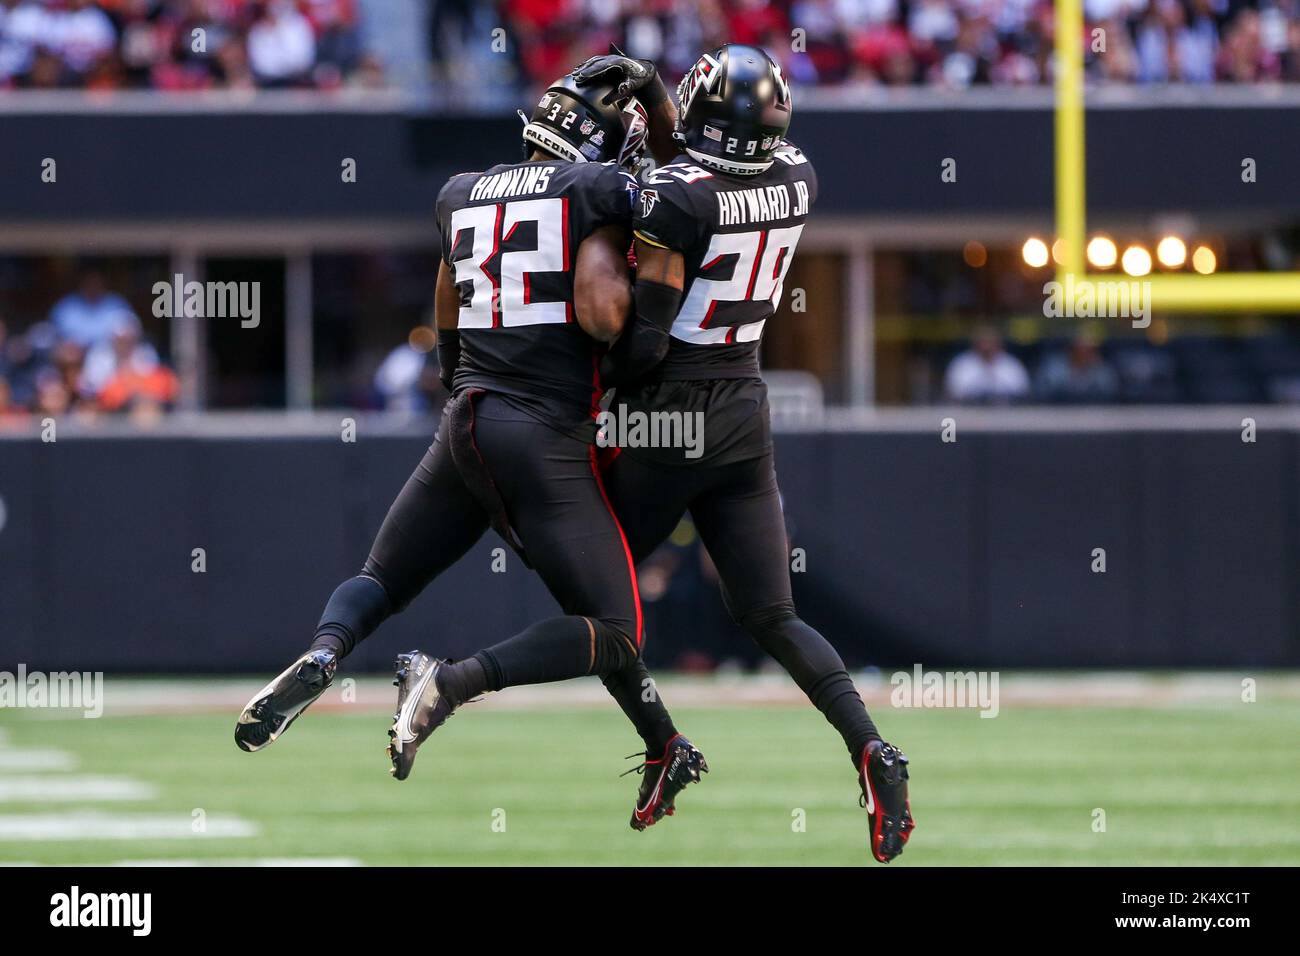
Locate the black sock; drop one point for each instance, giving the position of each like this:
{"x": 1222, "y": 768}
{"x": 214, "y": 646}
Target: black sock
{"x": 463, "y": 680}
{"x": 356, "y": 608}
{"x": 819, "y": 672}
{"x": 631, "y": 687}
{"x": 837, "y": 698}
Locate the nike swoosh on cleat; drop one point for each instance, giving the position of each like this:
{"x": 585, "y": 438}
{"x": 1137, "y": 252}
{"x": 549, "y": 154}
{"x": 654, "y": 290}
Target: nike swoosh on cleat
{"x": 413, "y": 699}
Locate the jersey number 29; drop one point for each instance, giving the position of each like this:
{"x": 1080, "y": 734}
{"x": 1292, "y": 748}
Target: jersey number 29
{"x": 718, "y": 311}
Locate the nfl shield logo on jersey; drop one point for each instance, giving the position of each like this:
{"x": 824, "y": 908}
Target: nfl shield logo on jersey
{"x": 587, "y": 126}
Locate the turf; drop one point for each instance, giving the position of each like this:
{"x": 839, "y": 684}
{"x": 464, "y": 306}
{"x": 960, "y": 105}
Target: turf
{"x": 1210, "y": 785}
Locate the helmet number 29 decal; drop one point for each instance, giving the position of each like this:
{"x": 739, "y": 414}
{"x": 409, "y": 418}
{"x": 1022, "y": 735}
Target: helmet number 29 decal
{"x": 733, "y": 308}
{"x": 500, "y": 282}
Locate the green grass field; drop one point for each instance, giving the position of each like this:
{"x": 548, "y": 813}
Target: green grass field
{"x": 1212, "y": 783}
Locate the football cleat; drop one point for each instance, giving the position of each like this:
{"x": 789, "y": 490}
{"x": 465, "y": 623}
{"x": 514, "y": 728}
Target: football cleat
{"x": 662, "y": 779}
{"x": 882, "y": 776}
{"x": 281, "y": 702}
{"x": 421, "y": 709}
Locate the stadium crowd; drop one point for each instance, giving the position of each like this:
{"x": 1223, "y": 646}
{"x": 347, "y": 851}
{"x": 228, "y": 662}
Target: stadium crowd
{"x": 201, "y": 44}
{"x": 182, "y": 44}
{"x": 88, "y": 357}
{"x": 954, "y": 43}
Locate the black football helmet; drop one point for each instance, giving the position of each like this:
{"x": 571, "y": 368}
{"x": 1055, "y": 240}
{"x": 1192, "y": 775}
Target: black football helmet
{"x": 574, "y": 123}
{"x": 734, "y": 110}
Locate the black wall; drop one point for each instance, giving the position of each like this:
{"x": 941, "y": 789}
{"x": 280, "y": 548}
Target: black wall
{"x": 973, "y": 553}
{"x": 260, "y": 165}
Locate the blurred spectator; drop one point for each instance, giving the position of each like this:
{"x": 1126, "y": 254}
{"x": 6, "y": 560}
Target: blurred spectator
{"x": 124, "y": 350}
{"x": 281, "y": 45}
{"x": 90, "y": 357}
{"x": 985, "y": 373}
{"x": 1079, "y": 375}
{"x": 182, "y": 44}
{"x": 406, "y": 380}
{"x": 139, "y": 385}
{"x": 90, "y": 316}
{"x": 11, "y": 414}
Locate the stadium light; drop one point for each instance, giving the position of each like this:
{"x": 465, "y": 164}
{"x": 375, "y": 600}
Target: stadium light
{"x": 1171, "y": 252}
{"x": 1034, "y": 252}
{"x": 1204, "y": 260}
{"x": 1102, "y": 253}
{"x": 1136, "y": 261}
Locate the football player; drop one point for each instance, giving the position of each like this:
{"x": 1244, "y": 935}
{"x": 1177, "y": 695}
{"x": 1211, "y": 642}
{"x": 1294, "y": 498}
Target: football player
{"x": 715, "y": 231}
{"x": 533, "y": 279}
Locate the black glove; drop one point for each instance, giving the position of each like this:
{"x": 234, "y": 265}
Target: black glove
{"x": 630, "y": 77}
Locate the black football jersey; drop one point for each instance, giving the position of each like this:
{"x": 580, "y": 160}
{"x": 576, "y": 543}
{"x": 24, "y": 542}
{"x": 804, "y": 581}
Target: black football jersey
{"x": 738, "y": 235}
{"x": 510, "y": 236}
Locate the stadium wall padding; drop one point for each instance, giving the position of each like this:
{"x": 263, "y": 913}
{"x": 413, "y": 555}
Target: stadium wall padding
{"x": 976, "y": 553}
{"x": 286, "y": 166}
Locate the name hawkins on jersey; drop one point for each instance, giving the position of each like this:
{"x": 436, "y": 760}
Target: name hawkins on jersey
{"x": 737, "y": 207}
{"x": 515, "y": 182}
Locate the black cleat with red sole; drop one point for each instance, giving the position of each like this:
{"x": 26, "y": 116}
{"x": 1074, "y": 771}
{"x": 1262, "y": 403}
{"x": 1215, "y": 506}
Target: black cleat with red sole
{"x": 663, "y": 779}
{"x": 882, "y": 775}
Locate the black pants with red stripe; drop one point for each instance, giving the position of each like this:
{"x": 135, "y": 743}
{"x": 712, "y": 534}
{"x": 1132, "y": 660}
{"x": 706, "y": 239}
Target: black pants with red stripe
{"x": 556, "y": 506}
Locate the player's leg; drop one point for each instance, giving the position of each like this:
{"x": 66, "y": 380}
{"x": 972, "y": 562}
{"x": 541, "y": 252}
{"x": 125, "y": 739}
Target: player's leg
{"x": 649, "y": 502}
{"x": 740, "y": 522}
{"x": 558, "y": 509}
{"x": 433, "y": 521}
{"x": 430, "y": 526}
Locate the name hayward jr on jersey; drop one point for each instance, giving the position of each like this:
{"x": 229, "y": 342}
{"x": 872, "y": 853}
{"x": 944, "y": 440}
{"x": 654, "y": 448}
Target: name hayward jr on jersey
{"x": 737, "y": 237}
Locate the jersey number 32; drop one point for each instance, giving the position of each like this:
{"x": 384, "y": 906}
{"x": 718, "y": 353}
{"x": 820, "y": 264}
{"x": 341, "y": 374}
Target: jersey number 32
{"x": 502, "y": 283}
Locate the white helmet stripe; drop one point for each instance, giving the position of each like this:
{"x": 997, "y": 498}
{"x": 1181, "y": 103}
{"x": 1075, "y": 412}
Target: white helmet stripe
{"x": 728, "y": 165}
{"x": 539, "y": 135}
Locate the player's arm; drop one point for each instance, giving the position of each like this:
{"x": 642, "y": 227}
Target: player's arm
{"x": 602, "y": 294}
{"x": 446, "y": 314}
{"x": 663, "y": 120}
{"x": 637, "y": 78}
{"x": 660, "y": 276}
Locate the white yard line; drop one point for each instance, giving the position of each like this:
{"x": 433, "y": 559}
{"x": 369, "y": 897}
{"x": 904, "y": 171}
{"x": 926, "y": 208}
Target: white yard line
{"x": 35, "y": 759}
{"x": 63, "y": 789}
{"x": 94, "y": 825}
